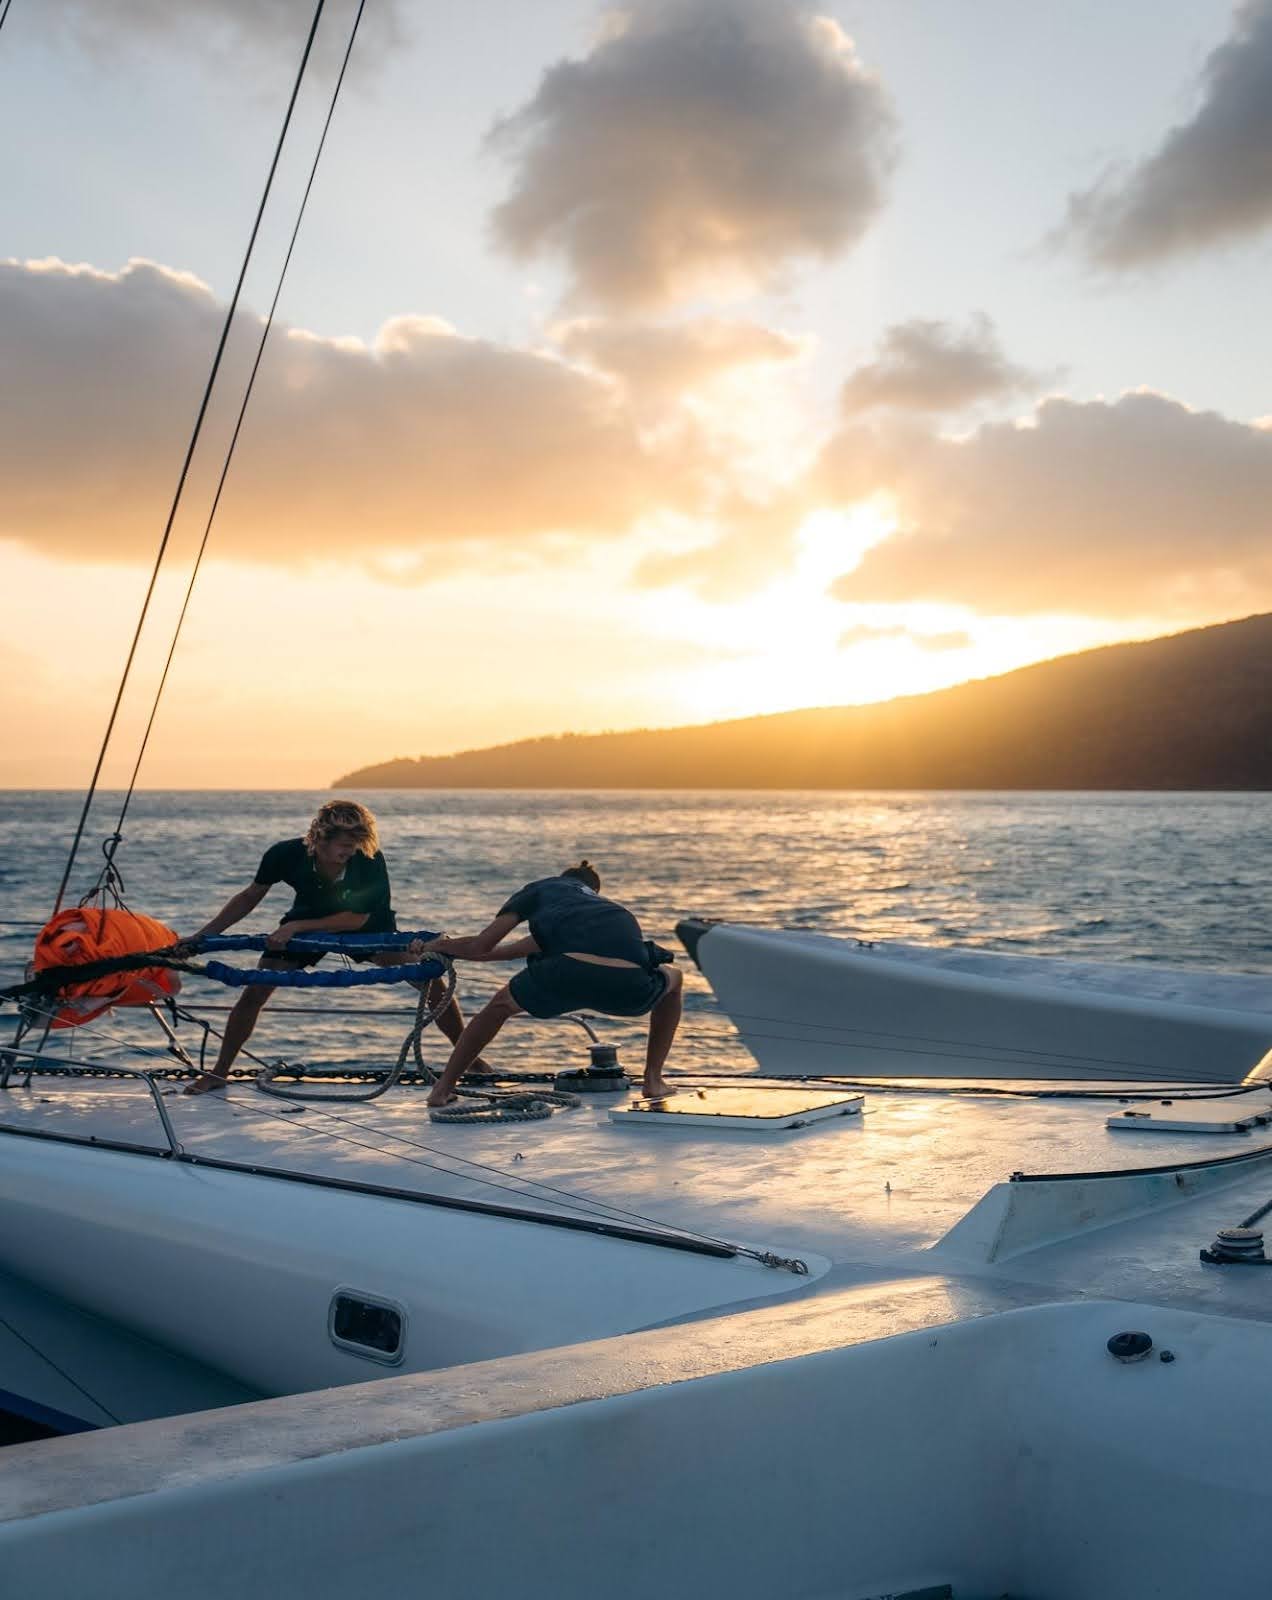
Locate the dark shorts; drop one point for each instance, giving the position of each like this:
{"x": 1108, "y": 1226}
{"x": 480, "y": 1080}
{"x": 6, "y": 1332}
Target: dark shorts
{"x": 552, "y": 985}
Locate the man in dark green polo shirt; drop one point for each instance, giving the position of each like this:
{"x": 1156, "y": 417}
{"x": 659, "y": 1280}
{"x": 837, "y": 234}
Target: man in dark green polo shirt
{"x": 340, "y": 884}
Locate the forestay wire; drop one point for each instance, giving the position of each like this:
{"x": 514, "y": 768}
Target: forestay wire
{"x": 181, "y": 481}
{"x": 238, "y": 425}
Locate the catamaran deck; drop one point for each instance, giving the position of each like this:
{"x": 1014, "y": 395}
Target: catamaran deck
{"x": 875, "y": 1194}
{"x": 952, "y": 1357}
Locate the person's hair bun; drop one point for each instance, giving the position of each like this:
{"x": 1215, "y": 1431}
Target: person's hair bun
{"x": 586, "y": 873}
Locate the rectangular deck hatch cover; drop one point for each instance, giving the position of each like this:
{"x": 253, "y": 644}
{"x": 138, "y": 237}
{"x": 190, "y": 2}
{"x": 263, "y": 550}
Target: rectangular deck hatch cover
{"x": 740, "y": 1107}
{"x": 1221, "y": 1115}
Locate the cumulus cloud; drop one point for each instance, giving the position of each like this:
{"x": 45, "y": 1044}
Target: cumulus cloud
{"x": 659, "y": 363}
{"x": 700, "y": 146}
{"x": 864, "y": 633}
{"x": 1132, "y": 507}
{"x": 422, "y": 441}
{"x": 1210, "y": 179}
{"x": 932, "y": 366}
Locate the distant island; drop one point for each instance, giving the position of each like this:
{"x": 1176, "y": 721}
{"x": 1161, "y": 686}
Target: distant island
{"x": 1190, "y": 711}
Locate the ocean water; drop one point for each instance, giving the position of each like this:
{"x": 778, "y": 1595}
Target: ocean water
{"x": 1180, "y": 879}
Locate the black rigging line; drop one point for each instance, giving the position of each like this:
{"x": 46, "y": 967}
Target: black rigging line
{"x": 189, "y": 455}
{"x": 5, "y": 6}
{"x": 8, "y": 1326}
{"x": 247, "y": 395}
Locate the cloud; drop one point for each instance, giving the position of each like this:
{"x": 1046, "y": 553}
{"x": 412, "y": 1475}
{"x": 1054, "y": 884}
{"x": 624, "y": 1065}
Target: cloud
{"x": 932, "y": 366}
{"x": 1136, "y": 507}
{"x": 229, "y": 27}
{"x": 424, "y": 442}
{"x": 1210, "y": 179}
{"x": 661, "y": 363}
{"x": 753, "y": 543}
{"x": 864, "y": 633}
{"x": 701, "y": 146}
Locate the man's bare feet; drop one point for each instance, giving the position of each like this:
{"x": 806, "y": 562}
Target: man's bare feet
{"x": 480, "y": 1069}
{"x": 657, "y": 1091}
{"x": 435, "y": 1104}
{"x": 208, "y": 1083}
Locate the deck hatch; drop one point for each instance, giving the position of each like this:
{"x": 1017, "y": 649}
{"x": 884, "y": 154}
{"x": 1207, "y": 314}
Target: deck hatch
{"x": 367, "y": 1325}
{"x": 736, "y": 1107}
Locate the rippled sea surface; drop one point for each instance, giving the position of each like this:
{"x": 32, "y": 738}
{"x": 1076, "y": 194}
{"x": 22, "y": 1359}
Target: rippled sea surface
{"x": 1184, "y": 880}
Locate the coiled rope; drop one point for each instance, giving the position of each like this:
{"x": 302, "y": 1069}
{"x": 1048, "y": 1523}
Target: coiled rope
{"x": 481, "y": 1107}
{"x": 424, "y": 1015}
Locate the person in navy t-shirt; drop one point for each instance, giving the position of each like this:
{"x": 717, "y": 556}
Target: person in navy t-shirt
{"x": 584, "y": 951}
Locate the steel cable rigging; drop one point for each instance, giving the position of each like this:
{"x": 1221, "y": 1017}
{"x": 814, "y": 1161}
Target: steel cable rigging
{"x": 108, "y": 878}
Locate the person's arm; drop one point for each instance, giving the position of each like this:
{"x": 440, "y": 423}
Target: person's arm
{"x": 234, "y": 909}
{"x": 337, "y": 922}
{"x": 476, "y": 946}
{"x": 511, "y": 950}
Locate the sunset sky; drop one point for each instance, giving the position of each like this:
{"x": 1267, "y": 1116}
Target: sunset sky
{"x": 635, "y": 366}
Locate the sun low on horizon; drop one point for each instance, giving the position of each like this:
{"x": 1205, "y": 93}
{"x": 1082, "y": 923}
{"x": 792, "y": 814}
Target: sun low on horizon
{"x": 634, "y": 366}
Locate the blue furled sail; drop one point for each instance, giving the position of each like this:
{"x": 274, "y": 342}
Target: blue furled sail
{"x": 352, "y": 944}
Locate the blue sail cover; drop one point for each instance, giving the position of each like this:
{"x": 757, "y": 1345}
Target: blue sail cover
{"x": 354, "y": 944}
{"x": 350, "y": 943}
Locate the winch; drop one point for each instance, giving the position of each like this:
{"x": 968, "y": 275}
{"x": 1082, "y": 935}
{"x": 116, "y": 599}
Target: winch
{"x": 603, "y": 1074}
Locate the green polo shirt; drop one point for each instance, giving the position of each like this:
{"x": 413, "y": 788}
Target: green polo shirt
{"x": 363, "y": 886}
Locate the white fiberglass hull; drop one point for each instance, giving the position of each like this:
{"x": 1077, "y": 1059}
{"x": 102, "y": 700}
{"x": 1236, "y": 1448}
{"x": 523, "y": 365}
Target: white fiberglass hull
{"x": 801, "y": 1457}
{"x": 239, "y": 1271}
{"x": 810, "y": 1004}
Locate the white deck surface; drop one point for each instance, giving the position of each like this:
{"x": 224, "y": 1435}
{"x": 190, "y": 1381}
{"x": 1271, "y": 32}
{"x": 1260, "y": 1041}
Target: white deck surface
{"x": 904, "y": 1376}
{"x": 871, "y": 1192}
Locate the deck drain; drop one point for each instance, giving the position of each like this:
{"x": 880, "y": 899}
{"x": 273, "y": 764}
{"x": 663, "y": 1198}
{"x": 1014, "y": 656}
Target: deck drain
{"x": 1131, "y": 1346}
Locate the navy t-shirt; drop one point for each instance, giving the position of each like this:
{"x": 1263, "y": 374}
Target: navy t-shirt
{"x": 565, "y": 915}
{"x": 362, "y": 888}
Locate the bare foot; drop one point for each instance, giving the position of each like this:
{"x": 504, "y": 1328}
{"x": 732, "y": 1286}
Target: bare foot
{"x": 480, "y": 1069}
{"x": 656, "y": 1091}
{"x": 434, "y": 1104}
{"x": 209, "y": 1083}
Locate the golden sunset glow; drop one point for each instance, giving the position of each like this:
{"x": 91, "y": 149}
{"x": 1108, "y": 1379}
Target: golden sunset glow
{"x": 573, "y": 423}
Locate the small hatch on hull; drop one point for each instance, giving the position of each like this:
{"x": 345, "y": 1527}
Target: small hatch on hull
{"x": 367, "y": 1325}
{"x": 765, "y": 1109}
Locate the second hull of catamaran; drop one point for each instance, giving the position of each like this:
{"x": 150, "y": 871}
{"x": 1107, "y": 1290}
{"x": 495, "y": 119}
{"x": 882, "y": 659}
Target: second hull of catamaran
{"x": 812, "y": 1004}
{"x": 292, "y": 1281}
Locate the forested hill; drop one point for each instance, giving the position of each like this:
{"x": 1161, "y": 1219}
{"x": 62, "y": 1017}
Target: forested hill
{"x": 1191, "y": 711}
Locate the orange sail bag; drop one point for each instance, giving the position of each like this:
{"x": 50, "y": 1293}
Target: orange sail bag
{"x": 92, "y": 933}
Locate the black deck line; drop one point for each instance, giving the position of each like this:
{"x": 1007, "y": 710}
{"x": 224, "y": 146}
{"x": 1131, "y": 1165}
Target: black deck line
{"x": 548, "y": 1219}
{"x": 1143, "y": 1172}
